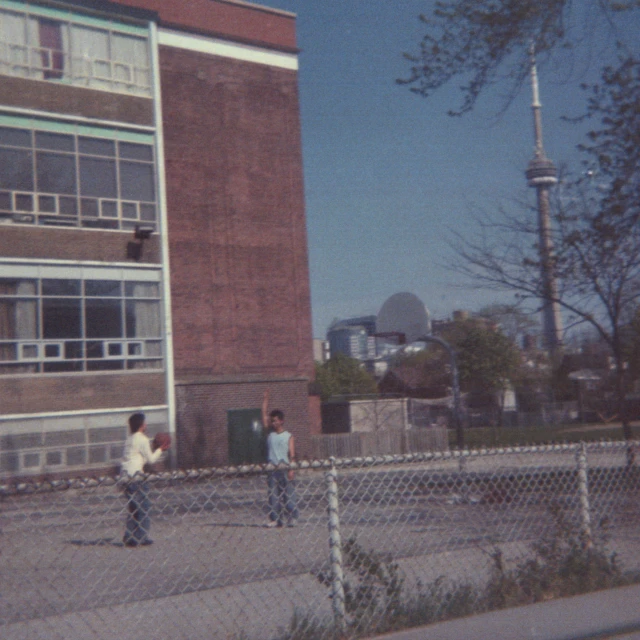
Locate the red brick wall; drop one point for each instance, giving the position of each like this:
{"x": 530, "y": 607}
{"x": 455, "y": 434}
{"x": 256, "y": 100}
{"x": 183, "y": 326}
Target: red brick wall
{"x": 37, "y": 394}
{"x": 242, "y": 22}
{"x": 66, "y": 99}
{"x": 73, "y": 243}
{"x": 202, "y": 416}
{"x": 237, "y": 234}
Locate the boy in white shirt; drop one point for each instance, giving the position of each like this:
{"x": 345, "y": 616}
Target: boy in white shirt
{"x": 137, "y": 452}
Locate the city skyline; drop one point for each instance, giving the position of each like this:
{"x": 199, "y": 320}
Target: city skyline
{"x": 388, "y": 175}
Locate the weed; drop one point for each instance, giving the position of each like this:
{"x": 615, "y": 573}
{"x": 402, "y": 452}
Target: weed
{"x": 561, "y": 564}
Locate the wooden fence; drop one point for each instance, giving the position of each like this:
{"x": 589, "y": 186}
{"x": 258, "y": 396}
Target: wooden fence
{"x": 383, "y": 442}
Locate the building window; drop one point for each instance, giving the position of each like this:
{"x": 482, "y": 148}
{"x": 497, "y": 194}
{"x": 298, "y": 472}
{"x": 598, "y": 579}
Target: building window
{"x": 51, "y": 325}
{"x": 75, "y": 180}
{"x": 33, "y": 46}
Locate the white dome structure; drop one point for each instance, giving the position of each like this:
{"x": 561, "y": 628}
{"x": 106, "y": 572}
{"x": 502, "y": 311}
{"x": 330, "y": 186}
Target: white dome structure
{"x": 404, "y": 313}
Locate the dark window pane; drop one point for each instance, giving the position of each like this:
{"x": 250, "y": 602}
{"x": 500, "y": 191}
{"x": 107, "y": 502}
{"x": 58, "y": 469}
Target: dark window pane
{"x": 54, "y": 141}
{"x": 114, "y": 349}
{"x": 5, "y": 201}
{"x": 136, "y": 151}
{"x": 51, "y": 287}
{"x": 16, "y": 169}
{"x": 73, "y": 350}
{"x": 129, "y": 211}
{"x": 89, "y": 208}
{"x": 61, "y": 318}
{"x": 24, "y": 202}
{"x": 76, "y": 455}
{"x": 103, "y": 318}
{"x": 97, "y": 147}
{"x": 98, "y": 178}
{"x": 109, "y": 209}
{"x": 68, "y": 206}
{"x": 136, "y": 181}
{"x": 97, "y": 454}
{"x": 47, "y": 204}
{"x": 52, "y": 351}
{"x": 104, "y": 365}
{"x": 56, "y": 173}
{"x": 15, "y": 137}
{"x": 147, "y": 212}
{"x": 54, "y": 457}
{"x": 94, "y": 349}
{"x": 102, "y": 288}
{"x": 58, "y": 366}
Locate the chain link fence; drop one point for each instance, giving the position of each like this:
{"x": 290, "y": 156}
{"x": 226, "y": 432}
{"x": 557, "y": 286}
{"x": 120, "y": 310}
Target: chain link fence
{"x": 381, "y": 543}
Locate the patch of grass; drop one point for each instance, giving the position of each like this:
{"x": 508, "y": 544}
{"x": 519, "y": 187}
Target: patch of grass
{"x": 513, "y": 436}
{"x": 560, "y": 564}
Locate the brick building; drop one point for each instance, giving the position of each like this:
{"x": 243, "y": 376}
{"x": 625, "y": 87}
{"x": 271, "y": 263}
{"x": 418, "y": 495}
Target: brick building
{"x": 152, "y": 232}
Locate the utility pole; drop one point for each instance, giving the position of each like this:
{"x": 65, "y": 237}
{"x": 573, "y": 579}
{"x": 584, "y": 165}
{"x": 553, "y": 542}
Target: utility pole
{"x": 542, "y": 174}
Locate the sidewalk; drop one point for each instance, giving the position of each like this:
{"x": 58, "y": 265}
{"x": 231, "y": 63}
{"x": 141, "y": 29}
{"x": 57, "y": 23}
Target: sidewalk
{"x": 607, "y": 615}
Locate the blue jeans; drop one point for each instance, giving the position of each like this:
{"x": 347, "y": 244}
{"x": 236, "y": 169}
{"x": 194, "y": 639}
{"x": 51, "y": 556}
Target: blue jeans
{"x": 281, "y": 496}
{"x": 138, "y": 505}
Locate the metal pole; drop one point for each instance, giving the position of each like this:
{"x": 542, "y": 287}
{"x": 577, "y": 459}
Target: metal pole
{"x": 335, "y": 551}
{"x": 583, "y": 491}
{"x": 457, "y": 421}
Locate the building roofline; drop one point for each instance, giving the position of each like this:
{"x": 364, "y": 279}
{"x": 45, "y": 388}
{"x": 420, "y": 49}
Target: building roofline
{"x": 259, "y": 7}
{"x": 104, "y": 7}
{"x": 207, "y": 33}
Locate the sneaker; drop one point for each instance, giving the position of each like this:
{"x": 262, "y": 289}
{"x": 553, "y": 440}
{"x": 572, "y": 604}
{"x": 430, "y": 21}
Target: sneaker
{"x": 130, "y": 543}
{"x": 271, "y": 524}
{"x": 146, "y": 543}
{"x": 292, "y": 523}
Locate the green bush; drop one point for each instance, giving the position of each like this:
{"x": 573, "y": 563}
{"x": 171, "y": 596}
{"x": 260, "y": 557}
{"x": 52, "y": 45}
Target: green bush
{"x": 562, "y": 563}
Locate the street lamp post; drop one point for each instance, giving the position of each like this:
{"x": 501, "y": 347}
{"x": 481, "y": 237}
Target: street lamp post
{"x": 455, "y": 387}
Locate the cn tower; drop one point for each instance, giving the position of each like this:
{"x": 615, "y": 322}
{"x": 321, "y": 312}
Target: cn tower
{"x": 542, "y": 175}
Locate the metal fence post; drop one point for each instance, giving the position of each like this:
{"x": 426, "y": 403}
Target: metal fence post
{"x": 583, "y": 492}
{"x": 335, "y": 549}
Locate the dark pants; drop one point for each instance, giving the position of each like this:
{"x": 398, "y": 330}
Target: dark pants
{"x": 139, "y": 505}
{"x": 281, "y": 497}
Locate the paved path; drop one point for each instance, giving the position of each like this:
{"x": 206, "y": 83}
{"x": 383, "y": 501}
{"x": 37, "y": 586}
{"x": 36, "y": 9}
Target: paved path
{"x": 606, "y": 615}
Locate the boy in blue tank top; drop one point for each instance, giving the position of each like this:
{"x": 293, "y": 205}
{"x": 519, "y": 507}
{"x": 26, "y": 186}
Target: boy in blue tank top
{"x": 280, "y": 450}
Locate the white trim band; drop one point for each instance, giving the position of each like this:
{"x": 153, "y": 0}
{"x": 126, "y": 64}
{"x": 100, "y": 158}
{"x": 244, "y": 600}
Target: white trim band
{"x": 224, "y": 49}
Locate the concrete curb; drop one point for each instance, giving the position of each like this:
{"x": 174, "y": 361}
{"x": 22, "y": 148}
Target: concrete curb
{"x": 594, "y": 615}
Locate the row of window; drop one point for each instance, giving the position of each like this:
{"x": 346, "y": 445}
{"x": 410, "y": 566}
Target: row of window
{"x": 41, "y": 48}
{"x": 15, "y": 462}
{"x": 71, "y": 179}
{"x": 64, "y": 325}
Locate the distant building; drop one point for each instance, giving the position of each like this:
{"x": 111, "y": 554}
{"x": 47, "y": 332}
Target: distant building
{"x": 321, "y": 351}
{"x": 354, "y": 338}
{"x": 405, "y": 314}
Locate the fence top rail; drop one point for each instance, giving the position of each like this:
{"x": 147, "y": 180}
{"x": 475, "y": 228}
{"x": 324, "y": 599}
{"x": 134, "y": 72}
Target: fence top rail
{"x": 37, "y": 485}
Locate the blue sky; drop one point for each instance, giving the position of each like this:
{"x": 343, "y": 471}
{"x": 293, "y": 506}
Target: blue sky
{"x": 387, "y": 173}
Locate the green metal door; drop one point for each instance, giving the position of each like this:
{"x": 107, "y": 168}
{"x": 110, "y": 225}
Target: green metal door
{"x": 247, "y": 438}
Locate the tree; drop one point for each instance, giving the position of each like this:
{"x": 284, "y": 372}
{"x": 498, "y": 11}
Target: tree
{"x": 343, "y": 376}
{"x": 596, "y": 235}
{"x": 486, "y": 42}
{"x": 487, "y": 360}
{"x": 512, "y": 321}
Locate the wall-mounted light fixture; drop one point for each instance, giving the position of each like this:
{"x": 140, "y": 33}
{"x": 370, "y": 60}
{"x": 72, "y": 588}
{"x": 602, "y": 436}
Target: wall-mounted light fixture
{"x": 134, "y": 248}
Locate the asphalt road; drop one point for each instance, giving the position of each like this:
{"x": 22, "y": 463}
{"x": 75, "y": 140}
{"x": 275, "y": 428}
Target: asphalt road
{"x": 62, "y": 554}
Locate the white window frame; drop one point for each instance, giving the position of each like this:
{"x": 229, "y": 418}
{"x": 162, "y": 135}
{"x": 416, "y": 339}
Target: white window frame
{"x": 37, "y": 273}
{"x": 77, "y": 68}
